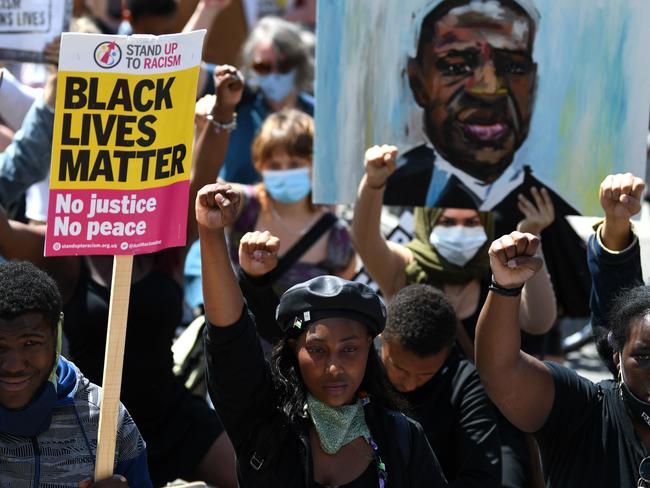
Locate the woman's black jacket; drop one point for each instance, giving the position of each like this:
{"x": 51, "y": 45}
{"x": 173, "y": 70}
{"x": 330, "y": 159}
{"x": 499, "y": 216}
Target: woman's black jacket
{"x": 274, "y": 453}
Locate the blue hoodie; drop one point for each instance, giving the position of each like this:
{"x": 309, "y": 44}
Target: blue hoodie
{"x": 61, "y": 451}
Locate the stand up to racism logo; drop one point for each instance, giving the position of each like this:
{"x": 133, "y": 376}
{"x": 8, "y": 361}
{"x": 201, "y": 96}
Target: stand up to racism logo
{"x": 108, "y": 55}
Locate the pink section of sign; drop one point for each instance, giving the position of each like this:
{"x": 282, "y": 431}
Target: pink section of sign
{"x": 116, "y": 222}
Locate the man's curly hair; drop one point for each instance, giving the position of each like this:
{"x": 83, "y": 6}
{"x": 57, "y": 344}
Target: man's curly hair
{"x": 421, "y": 319}
{"x": 24, "y": 288}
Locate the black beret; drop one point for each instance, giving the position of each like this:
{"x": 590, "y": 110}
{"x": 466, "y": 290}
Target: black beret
{"x": 330, "y": 296}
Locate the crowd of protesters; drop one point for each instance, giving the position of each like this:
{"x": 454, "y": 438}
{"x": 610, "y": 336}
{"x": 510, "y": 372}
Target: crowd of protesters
{"x": 313, "y": 379}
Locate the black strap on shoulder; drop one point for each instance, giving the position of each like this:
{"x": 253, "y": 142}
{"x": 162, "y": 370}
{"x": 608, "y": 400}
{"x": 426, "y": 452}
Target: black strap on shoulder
{"x": 268, "y": 444}
{"x": 302, "y": 246}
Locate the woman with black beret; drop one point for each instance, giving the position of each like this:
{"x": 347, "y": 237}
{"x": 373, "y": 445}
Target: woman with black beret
{"x": 322, "y": 413}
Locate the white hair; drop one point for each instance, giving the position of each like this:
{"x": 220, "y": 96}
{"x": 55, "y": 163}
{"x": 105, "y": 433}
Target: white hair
{"x": 289, "y": 40}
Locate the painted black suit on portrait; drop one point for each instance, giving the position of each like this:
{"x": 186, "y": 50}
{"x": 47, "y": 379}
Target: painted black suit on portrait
{"x": 564, "y": 250}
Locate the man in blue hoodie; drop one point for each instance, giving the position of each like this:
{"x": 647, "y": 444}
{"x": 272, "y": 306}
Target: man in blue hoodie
{"x": 49, "y": 413}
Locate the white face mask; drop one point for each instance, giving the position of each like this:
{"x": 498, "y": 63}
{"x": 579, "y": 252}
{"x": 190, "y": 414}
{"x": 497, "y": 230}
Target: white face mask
{"x": 457, "y": 244}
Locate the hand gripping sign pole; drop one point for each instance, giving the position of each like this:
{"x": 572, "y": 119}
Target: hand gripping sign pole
{"x": 121, "y": 161}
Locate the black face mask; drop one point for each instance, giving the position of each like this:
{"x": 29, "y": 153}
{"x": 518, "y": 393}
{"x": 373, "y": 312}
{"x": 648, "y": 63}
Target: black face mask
{"x": 638, "y": 408}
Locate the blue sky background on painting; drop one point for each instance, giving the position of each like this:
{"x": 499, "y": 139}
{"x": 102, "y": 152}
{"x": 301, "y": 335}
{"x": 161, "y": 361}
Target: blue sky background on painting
{"x": 591, "y": 115}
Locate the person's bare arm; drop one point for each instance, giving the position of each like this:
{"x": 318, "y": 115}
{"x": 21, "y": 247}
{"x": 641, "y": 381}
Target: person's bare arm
{"x": 6, "y": 136}
{"x": 212, "y": 145}
{"x": 538, "y": 310}
{"x": 203, "y": 18}
{"x": 519, "y": 385}
{"x": 384, "y": 261}
{"x": 204, "y": 14}
{"x": 26, "y": 242}
{"x": 216, "y": 208}
{"x": 21, "y": 241}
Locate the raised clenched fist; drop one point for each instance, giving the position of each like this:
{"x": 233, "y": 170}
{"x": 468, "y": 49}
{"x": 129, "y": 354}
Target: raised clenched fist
{"x": 229, "y": 84}
{"x": 620, "y": 196}
{"x": 217, "y": 206}
{"x": 380, "y": 163}
{"x": 258, "y": 253}
{"x": 513, "y": 259}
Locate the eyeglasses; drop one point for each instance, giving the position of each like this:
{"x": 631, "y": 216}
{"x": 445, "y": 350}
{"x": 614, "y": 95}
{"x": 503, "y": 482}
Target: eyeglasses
{"x": 282, "y": 66}
{"x": 644, "y": 472}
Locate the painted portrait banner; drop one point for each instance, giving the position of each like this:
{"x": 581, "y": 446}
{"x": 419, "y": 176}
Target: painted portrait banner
{"x": 27, "y": 26}
{"x": 122, "y": 143}
{"x": 485, "y": 99}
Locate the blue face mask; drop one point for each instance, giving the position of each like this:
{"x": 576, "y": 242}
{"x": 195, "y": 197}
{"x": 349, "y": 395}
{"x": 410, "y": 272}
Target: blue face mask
{"x": 277, "y": 86}
{"x": 287, "y": 186}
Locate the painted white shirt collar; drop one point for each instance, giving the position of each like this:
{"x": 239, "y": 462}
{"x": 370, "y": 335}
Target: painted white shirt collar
{"x": 490, "y": 194}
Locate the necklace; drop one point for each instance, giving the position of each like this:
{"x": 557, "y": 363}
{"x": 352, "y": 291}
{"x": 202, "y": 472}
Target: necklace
{"x": 286, "y": 227}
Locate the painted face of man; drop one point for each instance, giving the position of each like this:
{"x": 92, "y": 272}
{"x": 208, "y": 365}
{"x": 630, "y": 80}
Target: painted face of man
{"x": 476, "y": 82}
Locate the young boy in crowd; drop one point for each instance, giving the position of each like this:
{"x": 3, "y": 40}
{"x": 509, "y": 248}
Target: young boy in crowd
{"x": 441, "y": 386}
{"x": 49, "y": 413}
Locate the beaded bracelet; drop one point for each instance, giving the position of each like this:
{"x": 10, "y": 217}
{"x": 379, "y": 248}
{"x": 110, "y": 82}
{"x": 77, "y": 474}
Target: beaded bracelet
{"x": 219, "y": 127}
{"x": 506, "y": 292}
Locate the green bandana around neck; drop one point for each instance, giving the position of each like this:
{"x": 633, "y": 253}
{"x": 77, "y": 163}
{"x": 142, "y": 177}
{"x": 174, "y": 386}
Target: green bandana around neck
{"x": 428, "y": 267}
{"x": 337, "y": 426}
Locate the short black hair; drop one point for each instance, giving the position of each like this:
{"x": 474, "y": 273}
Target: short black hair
{"x": 421, "y": 319}
{"x": 626, "y": 307}
{"x": 150, "y": 8}
{"x": 428, "y": 29}
{"x": 25, "y": 289}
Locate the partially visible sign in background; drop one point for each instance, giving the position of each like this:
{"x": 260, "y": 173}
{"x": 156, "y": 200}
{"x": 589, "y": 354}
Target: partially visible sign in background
{"x": 27, "y": 26}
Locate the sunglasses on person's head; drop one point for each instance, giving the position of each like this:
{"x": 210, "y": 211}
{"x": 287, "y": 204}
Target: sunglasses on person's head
{"x": 644, "y": 473}
{"x": 282, "y": 66}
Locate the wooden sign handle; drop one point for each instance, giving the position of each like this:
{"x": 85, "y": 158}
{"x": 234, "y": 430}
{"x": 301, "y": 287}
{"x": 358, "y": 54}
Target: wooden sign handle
{"x": 113, "y": 359}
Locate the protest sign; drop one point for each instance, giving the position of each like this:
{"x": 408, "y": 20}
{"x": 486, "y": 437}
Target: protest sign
{"x": 27, "y": 26}
{"x": 121, "y": 162}
{"x": 122, "y": 143}
{"x": 484, "y": 98}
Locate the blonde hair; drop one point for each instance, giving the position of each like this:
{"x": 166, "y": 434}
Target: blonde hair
{"x": 289, "y": 129}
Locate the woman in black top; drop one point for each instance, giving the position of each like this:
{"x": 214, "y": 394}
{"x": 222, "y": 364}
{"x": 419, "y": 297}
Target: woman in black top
{"x": 321, "y": 413}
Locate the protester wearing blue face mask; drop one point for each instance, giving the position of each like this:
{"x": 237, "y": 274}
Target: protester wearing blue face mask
{"x": 313, "y": 241}
{"x": 278, "y": 64}
{"x": 276, "y": 87}
{"x": 287, "y": 185}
